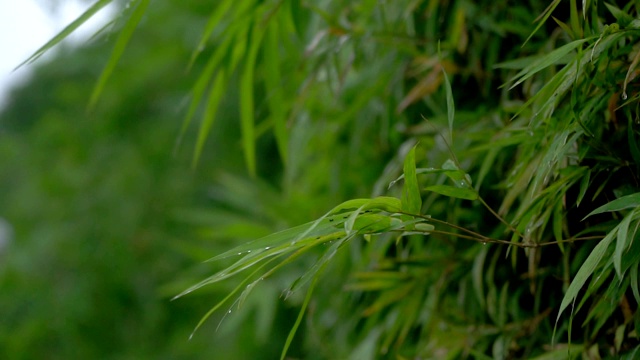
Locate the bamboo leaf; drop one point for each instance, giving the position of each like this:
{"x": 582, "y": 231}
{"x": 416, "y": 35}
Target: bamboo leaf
{"x": 623, "y": 242}
{"x": 411, "y": 199}
{"x": 625, "y": 202}
{"x": 450, "y": 105}
{"x": 587, "y": 268}
{"x": 420, "y": 171}
{"x": 246, "y": 101}
{"x": 118, "y": 49}
{"x": 452, "y": 191}
{"x": 212, "y": 23}
{"x": 92, "y": 10}
{"x": 543, "y": 18}
{"x": 305, "y": 303}
{"x": 546, "y": 61}
{"x": 215, "y": 95}
{"x": 273, "y": 82}
{"x": 633, "y": 277}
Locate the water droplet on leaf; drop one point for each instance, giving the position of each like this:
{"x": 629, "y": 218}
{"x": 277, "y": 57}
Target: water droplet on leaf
{"x": 624, "y": 96}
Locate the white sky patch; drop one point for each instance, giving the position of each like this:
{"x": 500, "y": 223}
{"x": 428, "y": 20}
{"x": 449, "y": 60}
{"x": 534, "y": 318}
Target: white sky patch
{"x": 25, "y": 25}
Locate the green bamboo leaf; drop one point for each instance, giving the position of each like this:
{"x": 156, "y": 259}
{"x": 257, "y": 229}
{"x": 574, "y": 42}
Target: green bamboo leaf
{"x": 587, "y": 268}
{"x": 452, "y": 191}
{"x": 621, "y": 16}
{"x": 305, "y": 303}
{"x": 450, "y": 105}
{"x": 625, "y": 202}
{"x": 92, "y": 10}
{"x": 275, "y": 96}
{"x": 246, "y": 101}
{"x": 420, "y": 171}
{"x": 200, "y": 86}
{"x": 118, "y": 49}
{"x": 411, "y": 200}
{"x": 584, "y": 185}
{"x": 212, "y": 23}
{"x": 226, "y": 298}
{"x": 633, "y": 277}
{"x": 318, "y": 265}
{"x": 543, "y": 18}
{"x": 215, "y": 95}
{"x": 623, "y": 242}
{"x": 546, "y": 61}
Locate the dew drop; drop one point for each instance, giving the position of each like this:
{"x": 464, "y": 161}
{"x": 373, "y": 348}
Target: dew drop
{"x": 267, "y": 247}
{"x": 239, "y": 253}
{"x": 229, "y": 312}
{"x": 624, "y": 96}
{"x": 248, "y": 251}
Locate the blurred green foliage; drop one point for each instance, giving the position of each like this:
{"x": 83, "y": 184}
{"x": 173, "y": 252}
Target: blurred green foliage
{"x": 503, "y": 136}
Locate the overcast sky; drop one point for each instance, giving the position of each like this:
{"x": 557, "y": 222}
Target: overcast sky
{"x": 26, "y": 25}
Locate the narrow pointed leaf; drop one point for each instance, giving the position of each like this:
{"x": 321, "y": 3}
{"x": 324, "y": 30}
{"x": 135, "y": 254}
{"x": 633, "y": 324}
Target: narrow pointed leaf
{"x": 450, "y": 104}
{"x": 586, "y": 270}
{"x": 246, "y": 102}
{"x": 215, "y": 94}
{"x": 625, "y": 202}
{"x": 273, "y": 80}
{"x": 546, "y": 61}
{"x": 622, "y": 243}
{"x": 305, "y": 303}
{"x": 411, "y": 200}
{"x": 97, "y": 6}
{"x": 212, "y": 23}
{"x": 118, "y": 49}
{"x": 452, "y": 191}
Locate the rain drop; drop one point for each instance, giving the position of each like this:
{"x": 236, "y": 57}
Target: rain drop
{"x": 267, "y": 248}
{"x": 624, "y": 96}
{"x": 239, "y": 253}
{"x": 229, "y": 312}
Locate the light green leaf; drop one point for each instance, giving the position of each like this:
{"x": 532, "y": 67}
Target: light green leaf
{"x": 305, "y": 303}
{"x": 452, "y": 191}
{"x": 273, "y": 82}
{"x": 584, "y": 185}
{"x": 420, "y": 171}
{"x": 118, "y": 49}
{"x": 585, "y": 271}
{"x": 543, "y": 18}
{"x": 450, "y": 105}
{"x": 625, "y": 202}
{"x": 621, "y": 16}
{"x": 97, "y": 6}
{"x": 215, "y": 95}
{"x": 246, "y": 101}
{"x": 220, "y": 10}
{"x": 546, "y": 61}
{"x": 623, "y": 242}
{"x": 411, "y": 199}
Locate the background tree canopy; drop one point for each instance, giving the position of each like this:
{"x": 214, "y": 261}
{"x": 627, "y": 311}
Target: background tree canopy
{"x": 406, "y": 179}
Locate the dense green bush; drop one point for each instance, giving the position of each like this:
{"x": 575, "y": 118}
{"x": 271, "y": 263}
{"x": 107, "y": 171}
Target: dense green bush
{"x": 491, "y": 149}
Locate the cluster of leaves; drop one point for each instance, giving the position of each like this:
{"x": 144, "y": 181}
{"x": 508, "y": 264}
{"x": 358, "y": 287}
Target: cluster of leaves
{"x": 533, "y": 207}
